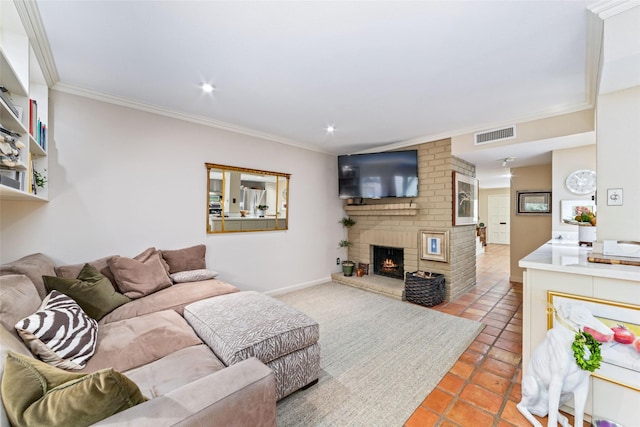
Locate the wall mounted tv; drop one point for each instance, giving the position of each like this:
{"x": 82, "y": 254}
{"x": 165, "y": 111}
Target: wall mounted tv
{"x": 378, "y": 175}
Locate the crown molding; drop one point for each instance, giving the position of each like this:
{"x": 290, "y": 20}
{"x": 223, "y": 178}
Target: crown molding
{"x": 191, "y": 118}
{"x": 32, "y": 22}
{"x": 605, "y": 9}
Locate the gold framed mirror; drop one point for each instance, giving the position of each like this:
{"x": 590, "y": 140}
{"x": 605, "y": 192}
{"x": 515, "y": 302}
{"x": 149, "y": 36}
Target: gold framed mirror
{"x": 241, "y": 199}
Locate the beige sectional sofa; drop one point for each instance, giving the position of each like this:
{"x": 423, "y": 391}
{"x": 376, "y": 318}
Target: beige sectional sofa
{"x": 146, "y": 339}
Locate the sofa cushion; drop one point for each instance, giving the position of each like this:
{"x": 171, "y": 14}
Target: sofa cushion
{"x": 34, "y": 267}
{"x": 8, "y": 342}
{"x": 91, "y": 290}
{"x": 18, "y": 299}
{"x": 36, "y": 394}
{"x": 175, "y": 298}
{"x": 193, "y": 275}
{"x": 134, "y": 342}
{"x": 192, "y": 258}
{"x": 136, "y": 278}
{"x": 73, "y": 270}
{"x": 175, "y": 370}
{"x": 59, "y": 332}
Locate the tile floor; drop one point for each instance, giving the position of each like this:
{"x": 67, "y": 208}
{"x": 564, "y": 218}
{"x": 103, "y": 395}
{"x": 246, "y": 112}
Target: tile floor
{"x": 483, "y": 386}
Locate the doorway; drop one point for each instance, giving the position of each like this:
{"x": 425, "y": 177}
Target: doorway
{"x": 498, "y": 231}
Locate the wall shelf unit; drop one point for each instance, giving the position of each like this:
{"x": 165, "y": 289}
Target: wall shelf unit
{"x": 28, "y": 93}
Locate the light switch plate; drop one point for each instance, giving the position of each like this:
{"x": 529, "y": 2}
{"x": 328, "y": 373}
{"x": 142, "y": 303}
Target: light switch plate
{"x": 614, "y": 197}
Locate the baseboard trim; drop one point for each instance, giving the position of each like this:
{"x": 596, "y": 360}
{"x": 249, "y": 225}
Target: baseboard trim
{"x": 286, "y": 289}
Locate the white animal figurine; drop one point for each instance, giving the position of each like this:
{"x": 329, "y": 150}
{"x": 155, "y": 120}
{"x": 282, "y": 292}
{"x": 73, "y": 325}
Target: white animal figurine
{"x": 553, "y": 374}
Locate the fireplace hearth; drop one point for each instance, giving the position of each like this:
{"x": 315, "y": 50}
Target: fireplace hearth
{"x": 388, "y": 262}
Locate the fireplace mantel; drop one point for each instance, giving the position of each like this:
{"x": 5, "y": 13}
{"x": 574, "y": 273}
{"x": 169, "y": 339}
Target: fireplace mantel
{"x": 383, "y": 209}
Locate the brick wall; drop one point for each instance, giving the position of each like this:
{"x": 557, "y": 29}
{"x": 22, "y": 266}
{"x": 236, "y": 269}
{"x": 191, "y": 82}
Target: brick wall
{"x": 398, "y": 222}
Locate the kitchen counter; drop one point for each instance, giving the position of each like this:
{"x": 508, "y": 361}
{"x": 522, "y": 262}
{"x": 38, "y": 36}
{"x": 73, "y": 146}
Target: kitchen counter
{"x": 247, "y": 223}
{"x": 567, "y": 256}
{"x": 243, "y": 218}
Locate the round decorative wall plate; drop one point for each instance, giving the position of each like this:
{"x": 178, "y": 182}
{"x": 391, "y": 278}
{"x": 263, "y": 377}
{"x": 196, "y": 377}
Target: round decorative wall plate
{"x": 582, "y": 181}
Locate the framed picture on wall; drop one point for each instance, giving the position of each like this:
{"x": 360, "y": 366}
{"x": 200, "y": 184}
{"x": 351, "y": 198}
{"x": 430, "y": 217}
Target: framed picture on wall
{"x": 465, "y": 199}
{"x": 533, "y": 203}
{"x": 435, "y": 245}
{"x": 620, "y": 357}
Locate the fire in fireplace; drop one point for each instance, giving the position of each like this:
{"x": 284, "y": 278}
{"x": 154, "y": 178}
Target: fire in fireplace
{"x": 388, "y": 262}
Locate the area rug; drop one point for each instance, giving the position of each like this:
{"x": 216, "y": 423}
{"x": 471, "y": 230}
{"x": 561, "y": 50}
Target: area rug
{"x": 380, "y": 357}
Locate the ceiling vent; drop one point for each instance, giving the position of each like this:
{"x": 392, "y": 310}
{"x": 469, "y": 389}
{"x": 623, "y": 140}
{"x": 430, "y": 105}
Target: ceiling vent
{"x": 495, "y": 135}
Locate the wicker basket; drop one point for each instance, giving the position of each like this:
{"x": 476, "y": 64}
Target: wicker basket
{"x": 427, "y": 291}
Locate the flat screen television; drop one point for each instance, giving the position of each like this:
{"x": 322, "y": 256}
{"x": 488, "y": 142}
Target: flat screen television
{"x": 378, "y": 175}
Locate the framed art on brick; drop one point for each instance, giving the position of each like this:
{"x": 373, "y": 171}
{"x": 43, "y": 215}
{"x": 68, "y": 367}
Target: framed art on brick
{"x": 435, "y": 245}
{"x": 465, "y": 199}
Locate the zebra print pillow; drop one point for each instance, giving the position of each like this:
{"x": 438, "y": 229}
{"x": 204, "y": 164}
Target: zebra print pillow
{"x": 60, "y": 333}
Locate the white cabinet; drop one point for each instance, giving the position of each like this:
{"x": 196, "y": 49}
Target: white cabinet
{"x": 28, "y": 93}
{"x": 559, "y": 268}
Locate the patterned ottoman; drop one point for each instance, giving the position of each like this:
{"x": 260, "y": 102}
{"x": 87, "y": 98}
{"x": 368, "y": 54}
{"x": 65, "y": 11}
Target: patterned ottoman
{"x": 244, "y": 324}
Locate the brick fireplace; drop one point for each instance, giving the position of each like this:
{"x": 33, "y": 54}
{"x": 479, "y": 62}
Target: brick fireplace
{"x": 396, "y": 223}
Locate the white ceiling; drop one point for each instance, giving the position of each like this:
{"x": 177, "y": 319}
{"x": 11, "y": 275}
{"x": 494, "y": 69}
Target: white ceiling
{"x": 383, "y": 72}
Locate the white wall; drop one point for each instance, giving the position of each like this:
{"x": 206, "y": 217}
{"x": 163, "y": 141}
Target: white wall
{"x": 564, "y": 162}
{"x": 121, "y": 180}
{"x": 618, "y": 131}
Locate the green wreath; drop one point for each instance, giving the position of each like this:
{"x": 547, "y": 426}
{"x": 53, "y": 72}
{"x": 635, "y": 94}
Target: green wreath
{"x": 582, "y": 340}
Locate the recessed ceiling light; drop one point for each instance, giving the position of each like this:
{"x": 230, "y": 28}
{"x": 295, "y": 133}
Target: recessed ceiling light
{"x": 207, "y": 87}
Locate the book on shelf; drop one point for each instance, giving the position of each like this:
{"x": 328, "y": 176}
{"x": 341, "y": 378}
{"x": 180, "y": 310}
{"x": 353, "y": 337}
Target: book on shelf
{"x": 33, "y": 107}
{"x": 30, "y": 186}
{"x": 6, "y": 98}
{"x": 41, "y": 137}
{"x": 37, "y": 128}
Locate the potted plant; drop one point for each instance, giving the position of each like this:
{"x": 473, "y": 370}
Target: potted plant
{"x": 347, "y": 222}
{"x": 39, "y": 180}
{"x": 261, "y": 209}
{"x": 347, "y": 267}
{"x": 345, "y": 244}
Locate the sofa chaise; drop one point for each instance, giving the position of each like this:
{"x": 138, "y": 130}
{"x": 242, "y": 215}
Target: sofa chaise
{"x": 148, "y": 366}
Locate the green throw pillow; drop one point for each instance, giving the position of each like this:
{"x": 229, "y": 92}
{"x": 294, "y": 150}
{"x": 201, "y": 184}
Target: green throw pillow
{"x": 37, "y": 394}
{"x": 91, "y": 290}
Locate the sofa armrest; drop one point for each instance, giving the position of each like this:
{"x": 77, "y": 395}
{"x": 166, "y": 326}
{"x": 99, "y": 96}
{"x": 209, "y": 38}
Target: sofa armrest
{"x": 243, "y": 394}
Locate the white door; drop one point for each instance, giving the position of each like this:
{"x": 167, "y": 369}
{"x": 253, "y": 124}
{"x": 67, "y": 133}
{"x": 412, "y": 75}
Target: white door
{"x": 498, "y": 227}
